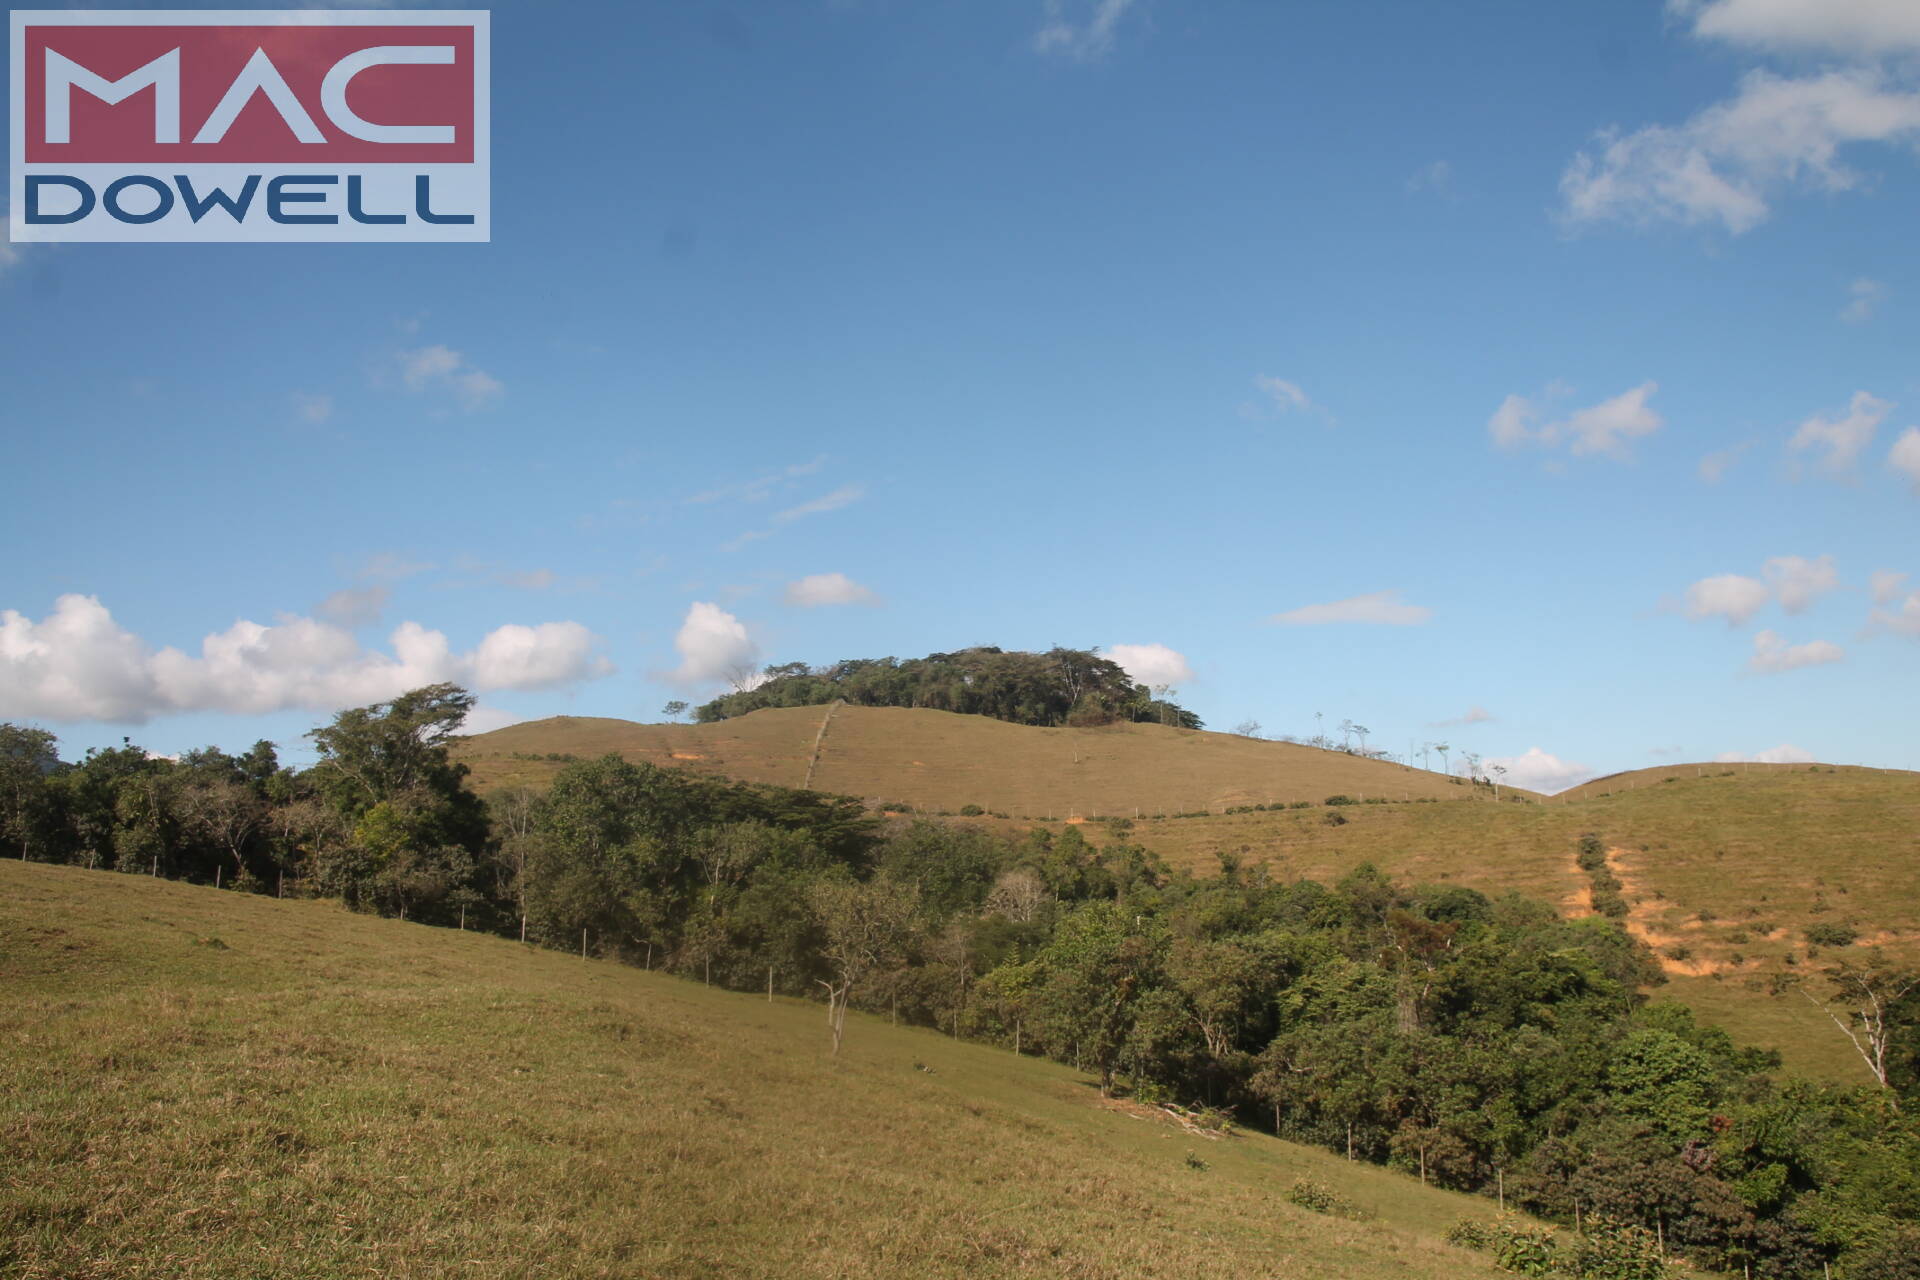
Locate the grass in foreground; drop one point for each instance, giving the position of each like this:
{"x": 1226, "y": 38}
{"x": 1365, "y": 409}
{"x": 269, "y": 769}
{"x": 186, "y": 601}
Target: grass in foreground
{"x": 204, "y": 1084}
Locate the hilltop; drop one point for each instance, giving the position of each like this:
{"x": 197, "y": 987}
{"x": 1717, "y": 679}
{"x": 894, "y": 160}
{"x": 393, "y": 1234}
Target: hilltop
{"x": 938, "y": 760}
{"x": 216, "y": 1084}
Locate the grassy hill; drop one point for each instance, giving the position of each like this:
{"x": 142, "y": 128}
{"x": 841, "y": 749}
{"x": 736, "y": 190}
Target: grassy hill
{"x": 1726, "y": 866}
{"x": 935, "y": 760}
{"x": 206, "y": 1084}
{"x": 1725, "y": 870}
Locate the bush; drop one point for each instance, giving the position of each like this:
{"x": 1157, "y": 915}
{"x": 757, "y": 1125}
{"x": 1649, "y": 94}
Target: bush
{"x": 1831, "y": 935}
{"x": 1323, "y": 1199}
{"x": 1336, "y": 819}
{"x": 1337, "y": 800}
{"x": 1301, "y": 804}
{"x": 1609, "y": 903}
{"x": 1470, "y": 1233}
{"x": 971, "y": 811}
{"x": 1610, "y": 1251}
{"x": 1530, "y": 1251}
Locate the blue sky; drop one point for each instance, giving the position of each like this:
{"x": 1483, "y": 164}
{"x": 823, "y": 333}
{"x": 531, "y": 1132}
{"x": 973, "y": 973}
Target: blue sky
{"x": 1536, "y": 378}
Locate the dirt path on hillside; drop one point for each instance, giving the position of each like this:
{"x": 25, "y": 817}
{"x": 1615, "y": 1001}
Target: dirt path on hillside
{"x": 1646, "y": 920}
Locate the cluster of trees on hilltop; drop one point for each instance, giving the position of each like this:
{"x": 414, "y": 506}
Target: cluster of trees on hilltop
{"x": 1480, "y": 1044}
{"x": 1058, "y": 687}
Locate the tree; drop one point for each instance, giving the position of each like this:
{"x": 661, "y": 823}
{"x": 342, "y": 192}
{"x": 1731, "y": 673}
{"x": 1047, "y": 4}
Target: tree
{"x": 1870, "y": 995}
{"x": 867, "y": 928}
{"x": 27, "y": 758}
{"x": 1248, "y": 728}
{"x": 674, "y": 710}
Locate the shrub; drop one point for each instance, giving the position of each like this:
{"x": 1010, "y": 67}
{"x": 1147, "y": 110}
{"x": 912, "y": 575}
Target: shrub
{"x": 1609, "y": 903}
{"x": 1831, "y": 934}
{"x": 1323, "y": 1199}
{"x": 1530, "y": 1251}
{"x": 1610, "y": 1251}
{"x": 1195, "y": 1163}
{"x": 1336, "y": 819}
{"x": 1470, "y": 1233}
{"x": 1301, "y": 804}
{"x": 1334, "y": 800}
{"x": 971, "y": 811}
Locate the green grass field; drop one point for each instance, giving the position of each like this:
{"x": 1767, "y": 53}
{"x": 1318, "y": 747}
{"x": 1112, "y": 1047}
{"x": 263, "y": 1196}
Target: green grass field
{"x": 204, "y": 1084}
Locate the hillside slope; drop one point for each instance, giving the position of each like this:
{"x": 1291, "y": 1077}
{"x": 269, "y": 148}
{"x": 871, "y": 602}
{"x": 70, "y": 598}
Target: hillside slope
{"x": 935, "y": 760}
{"x": 1725, "y": 871}
{"x": 208, "y": 1084}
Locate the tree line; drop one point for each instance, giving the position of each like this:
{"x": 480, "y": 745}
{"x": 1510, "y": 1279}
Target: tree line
{"x": 1478, "y": 1043}
{"x": 1058, "y": 687}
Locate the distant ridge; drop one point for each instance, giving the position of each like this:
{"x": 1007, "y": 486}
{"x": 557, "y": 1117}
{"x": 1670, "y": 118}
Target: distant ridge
{"x": 937, "y": 760}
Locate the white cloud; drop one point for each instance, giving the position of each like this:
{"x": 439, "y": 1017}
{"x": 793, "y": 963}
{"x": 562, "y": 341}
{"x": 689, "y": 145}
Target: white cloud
{"x": 846, "y": 495}
{"x": 526, "y": 579}
{"x": 312, "y": 408}
{"x": 1797, "y": 581}
{"x": 1772, "y": 654}
{"x": 1904, "y": 457}
{"x": 1864, "y": 297}
{"x": 79, "y": 664}
{"x": 714, "y": 646}
{"x": 1715, "y": 465}
{"x": 1537, "y": 770}
{"x": 440, "y": 367}
{"x": 1604, "y": 428}
{"x": 1904, "y": 620}
{"x": 1286, "y": 396}
{"x": 818, "y": 589}
{"x": 1785, "y": 753}
{"x": 485, "y": 719}
{"x": 1869, "y": 27}
{"x": 1884, "y": 585}
{"x": 1153, "y": 665}
{"x": 1381, "y": 607}
{"x": 1840, "y": 439}
{"x": 1080, "y": 29}
{"x": 1436, "y": 177}
{"x": 354, "y": 606}
{"x": 1472, "y": 715}
{"x": 1725, "y": 164}
{"x": 1728, "y": 595}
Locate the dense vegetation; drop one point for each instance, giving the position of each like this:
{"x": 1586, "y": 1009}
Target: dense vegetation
{"x": 1477, "y": 1043}
{"x": 1060, "y": 686}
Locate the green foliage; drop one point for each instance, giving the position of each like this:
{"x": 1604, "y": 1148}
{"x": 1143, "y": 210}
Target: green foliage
{"x": 1058, "y": 687}
{"x": 1831, "y": 934}
{"x": 1323, "y": 1199}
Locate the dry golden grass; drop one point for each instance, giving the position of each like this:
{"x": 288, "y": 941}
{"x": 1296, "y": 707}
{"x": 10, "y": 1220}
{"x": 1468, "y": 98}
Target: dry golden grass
{"x": 935, "y": 760}
{"x": 203, "y": 1084}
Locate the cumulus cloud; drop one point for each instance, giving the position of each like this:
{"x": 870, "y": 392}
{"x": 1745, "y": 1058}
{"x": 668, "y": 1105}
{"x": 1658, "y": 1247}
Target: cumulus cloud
{"x": 1605, "y": 428}
{"x": 1728, "y": 595}
{"x": 1884, "y": 585}
{"x": 1537, "y": 770}
{"x": 1859, "y": 27}
{"x": 1840, "y": 438}
{"x": 1154, "y": 665}
{"x": 1863, "y": 299}
{"x": 355, "y": 606}
{"x": 1382, "y": 608}
{"x": 1772, "y": 654}
{"x": 1472, "y": 715}
{"x": 79, "y": 664}
{"x": 1785, "y": 753}
{"x": 1080, "y": 29}
{"x": 1904, "y": 457}
{"x": 1797, "y": 581}
{"x": 817, "y": 589}
{"x": 441, "y": 368}
{"x": 1724, "y": 166}
{"x": 1902, "y": 618}
{"x": 485, "y": 719}
{"x": 714, "y": 646}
